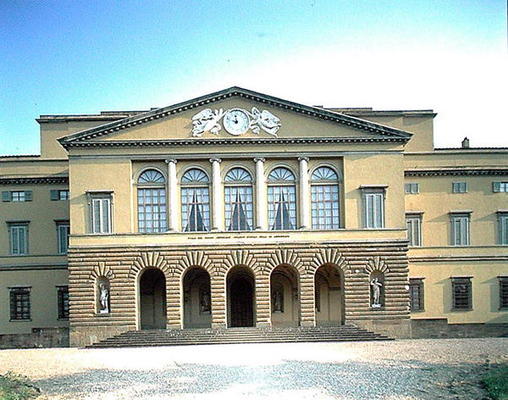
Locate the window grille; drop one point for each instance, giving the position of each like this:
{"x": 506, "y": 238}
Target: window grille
{"x": 503, "y": 292}
{"x": 462, "y": 294}
{"x": 20, "y": 303}
{"x": 63, "y": 302}
{"x": 416, "y": 295}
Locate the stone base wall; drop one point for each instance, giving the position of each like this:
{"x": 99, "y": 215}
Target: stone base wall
{"x": 40, "y": 337}
{"x": 440, "y": 328}
{"x": 84, "y": 336}
{"x": 395, "y": 328}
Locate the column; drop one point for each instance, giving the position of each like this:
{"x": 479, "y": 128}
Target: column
{"x": 217, "y": 203}
{"x": 304, "y": 193}
{"x": 307, "y": 300}
{"x": 261, "y": 202}
{"x": 172, "y": 202}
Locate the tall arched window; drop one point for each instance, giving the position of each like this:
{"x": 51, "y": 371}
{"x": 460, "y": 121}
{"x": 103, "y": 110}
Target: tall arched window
{"x": 238, "y": 200}
{"x": 152, "y": 202}
{"x": 195, "y": 201}
{"x": 325, "y": 199}
{"x": 281, "y": 199}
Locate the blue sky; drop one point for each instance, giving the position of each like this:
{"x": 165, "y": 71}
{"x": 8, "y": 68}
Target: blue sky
{"x": 59, "y": 57}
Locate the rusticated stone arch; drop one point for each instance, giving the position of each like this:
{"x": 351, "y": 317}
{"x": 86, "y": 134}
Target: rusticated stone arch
{"x": 101, "y": 270}
{"x": 236, "y": 258}
{"x": 285, "y": 257}
{"x": 149, "y": 260}
{"x": 329, "y": 256}
{"x": 376, "y": 264}
{"x": 191, "y": 259}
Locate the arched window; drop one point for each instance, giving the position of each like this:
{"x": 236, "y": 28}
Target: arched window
{"x": 152, "y": 202}
{"x": 325, "y": 199}
{"x": 195, "y": 201}
{"x": 281, "y": 199}
{"x": 238, "y": 200}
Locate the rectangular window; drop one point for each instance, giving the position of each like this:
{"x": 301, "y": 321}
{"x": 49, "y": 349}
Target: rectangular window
{"x": 500, "y": 187}
{"x": 374, "y": 208}
{"x": 414, "y": 229}
{"x": 459, "y": 187}
{"x": 17, "y": 196}
{"x": 63, "y": 302}
{"x": 462, "y": 294}
{"x": 100, "y": 210}
{"x": 412, "y": 188}
{"x": 416, "y": 294}
{"x": 18, "y": 238}
{"x": 502, "y": 221}
{"x": 152, "y": 210}
{"x": 325, "y": 206}
{"x": 63, "y": 231}
{"x": 460, "y": 229}
{"x": 503, "y": 292}
{"x": 56, "y": 195}
{"x": 20, "y": 303}
{"x": 282, "y": 207}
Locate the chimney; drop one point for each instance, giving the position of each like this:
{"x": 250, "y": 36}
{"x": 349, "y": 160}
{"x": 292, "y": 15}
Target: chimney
{"x": 465, "y": 143}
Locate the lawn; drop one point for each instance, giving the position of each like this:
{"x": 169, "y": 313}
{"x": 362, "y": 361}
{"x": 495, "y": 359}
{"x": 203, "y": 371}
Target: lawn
{"x": 496, "y": 383}
{"x": 16, "y": 387}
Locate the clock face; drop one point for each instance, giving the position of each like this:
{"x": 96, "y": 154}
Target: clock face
{"x": 236, "y": 121}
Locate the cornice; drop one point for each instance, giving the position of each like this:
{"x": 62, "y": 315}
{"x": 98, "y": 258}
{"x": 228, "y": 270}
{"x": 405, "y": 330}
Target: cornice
{"x": 458, "y": 172}
{"x": 44, "y": 180}
{"x": 232, "y": 142}
{"x": 149, "y": 116}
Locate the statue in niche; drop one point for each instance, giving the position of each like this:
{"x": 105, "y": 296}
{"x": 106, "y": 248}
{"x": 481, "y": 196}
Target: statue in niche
{"x": 103, "y": 298}
{"x": 376, "y": 292}
{"x": 278, "y": 300}
{"x": 205, "y": 302}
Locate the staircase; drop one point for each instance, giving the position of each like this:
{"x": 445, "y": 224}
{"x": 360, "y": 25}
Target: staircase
{"x": 156, "y": 337}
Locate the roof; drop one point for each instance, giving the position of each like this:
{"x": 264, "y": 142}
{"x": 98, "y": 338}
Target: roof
{"x": 81, "y": 138}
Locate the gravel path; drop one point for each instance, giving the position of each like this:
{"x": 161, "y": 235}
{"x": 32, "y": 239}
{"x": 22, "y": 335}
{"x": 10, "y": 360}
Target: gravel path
{"x": 404, "y": 369}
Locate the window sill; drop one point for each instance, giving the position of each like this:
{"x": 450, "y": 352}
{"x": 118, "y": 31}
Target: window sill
{"x": 20, "y": 320}
{"x": 461, "y": 309}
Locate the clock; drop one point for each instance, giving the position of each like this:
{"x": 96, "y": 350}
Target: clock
{"x": 236, "y": 121}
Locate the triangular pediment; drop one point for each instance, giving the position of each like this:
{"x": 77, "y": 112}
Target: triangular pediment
{"x": 235, "y": 114}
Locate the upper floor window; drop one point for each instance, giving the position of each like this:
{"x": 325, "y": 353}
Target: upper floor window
{"x": 414, "y": 229}
{"x": 195, "y": 201}
{"x": 460, "y": 229}
{"x": 281, "y": 199}
{"x": 17, "y": 195}
{"x": 100, "y": 212}
{"x": 373, "y": 207}
{"x": 238, "y": 200}
{"x": 325, "y": 199}
{"x": 502, "y": 221}
{"x": 20, "y": 303}
{"x": 59, "y": 194}
{"x": 18, "y": 238}
{"x": 63, "y": 231}
{"x": 500, "y": 187}
{"x": 459, "y": 187}
{"x": 412, "y": 188}
{"x": 152, "y": 202}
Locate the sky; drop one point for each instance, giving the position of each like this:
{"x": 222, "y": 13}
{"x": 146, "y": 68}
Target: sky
{"x": 78, "y": 57}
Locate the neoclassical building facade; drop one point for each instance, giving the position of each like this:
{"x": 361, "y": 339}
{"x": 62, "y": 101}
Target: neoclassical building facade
{"x": 238, "y": 209}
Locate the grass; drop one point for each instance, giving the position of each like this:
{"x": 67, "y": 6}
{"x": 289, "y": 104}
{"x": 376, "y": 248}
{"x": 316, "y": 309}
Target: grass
{"x": 16, "y": 387}
{"x": 496, "y": 383}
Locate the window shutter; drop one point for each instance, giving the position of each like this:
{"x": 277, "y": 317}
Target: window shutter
{"x": 28, "y": 195}
{"x": 496, "y": 187}
{"x": 6, "y": 196}
{"x": 54, "y": 195}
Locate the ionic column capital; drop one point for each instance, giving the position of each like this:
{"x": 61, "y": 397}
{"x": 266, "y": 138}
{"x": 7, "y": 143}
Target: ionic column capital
{"x": 306, "y": 159}
{"x": 171, "y": 161}
{"x": 259, "y": 159}
{"x": 215, "y": 159}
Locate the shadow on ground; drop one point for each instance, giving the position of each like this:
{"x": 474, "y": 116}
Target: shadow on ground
{"x": 349, "y": 380}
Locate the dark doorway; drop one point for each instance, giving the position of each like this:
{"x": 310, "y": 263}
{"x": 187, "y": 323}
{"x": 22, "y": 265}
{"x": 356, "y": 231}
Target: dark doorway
{"x": 152, "y": 297}
{"x": 241, "y": 298}
{"x": 197, "y": 301}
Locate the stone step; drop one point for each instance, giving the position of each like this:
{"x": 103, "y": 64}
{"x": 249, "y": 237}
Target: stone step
{"x": 161, "y": 337}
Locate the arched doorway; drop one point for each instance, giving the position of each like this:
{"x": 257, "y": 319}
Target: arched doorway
{"x": 152, "y": 299}
{"x": 329, "y": 296}
{"x": 240, "y": 297}
{"x": 197, "y": 302}
{"x": 284, "y": 294}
